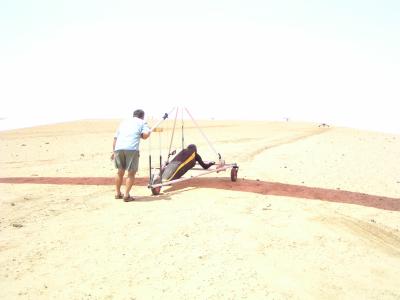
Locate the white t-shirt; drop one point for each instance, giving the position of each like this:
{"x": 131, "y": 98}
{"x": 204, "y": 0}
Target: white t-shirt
{"x": 128, "y": 133}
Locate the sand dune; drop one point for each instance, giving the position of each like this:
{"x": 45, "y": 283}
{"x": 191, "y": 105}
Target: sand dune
{"x": 315, "y": 214}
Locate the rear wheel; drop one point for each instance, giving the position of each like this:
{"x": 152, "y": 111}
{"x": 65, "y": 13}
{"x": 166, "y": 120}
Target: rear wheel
{"x": 156, "y": 190}
{"x": 234, "y": 172}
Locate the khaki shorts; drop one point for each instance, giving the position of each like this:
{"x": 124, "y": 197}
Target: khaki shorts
{"x": 127, "y": 160}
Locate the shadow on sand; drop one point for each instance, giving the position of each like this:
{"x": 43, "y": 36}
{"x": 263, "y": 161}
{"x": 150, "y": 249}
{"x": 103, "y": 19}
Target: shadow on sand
{"x": 243, "y": 185}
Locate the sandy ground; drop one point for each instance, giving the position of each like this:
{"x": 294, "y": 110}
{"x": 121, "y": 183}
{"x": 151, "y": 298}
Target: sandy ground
{"x": 315, "y": 214}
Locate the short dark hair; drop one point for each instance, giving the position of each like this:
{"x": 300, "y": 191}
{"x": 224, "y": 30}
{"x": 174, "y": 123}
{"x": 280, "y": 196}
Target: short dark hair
{"x": 139, "y": 113}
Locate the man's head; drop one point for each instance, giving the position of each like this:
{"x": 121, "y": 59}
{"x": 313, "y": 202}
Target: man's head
{"x": 139, "y": 113}
{"x": 192, "y": 147}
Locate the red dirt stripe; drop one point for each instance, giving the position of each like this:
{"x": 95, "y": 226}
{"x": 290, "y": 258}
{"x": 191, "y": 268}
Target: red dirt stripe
{"x": 244, "y": 185}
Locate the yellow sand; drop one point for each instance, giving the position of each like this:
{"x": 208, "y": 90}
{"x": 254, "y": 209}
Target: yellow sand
{"x": 314, "y": 215}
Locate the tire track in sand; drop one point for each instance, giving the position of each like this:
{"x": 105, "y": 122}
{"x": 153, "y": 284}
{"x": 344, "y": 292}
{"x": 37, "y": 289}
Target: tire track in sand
{"x": 380, "y": 238}
{"x": 250, "y": 155}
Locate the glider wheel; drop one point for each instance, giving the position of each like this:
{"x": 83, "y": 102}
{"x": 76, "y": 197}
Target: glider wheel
{"x": 156, "y": 191}
{"x": 234, "y": 172}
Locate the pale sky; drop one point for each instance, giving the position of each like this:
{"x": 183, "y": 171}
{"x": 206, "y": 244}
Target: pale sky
{"x": 320, "y": 61}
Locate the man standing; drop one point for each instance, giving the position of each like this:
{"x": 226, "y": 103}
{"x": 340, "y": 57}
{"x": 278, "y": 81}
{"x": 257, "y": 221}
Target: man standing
{"x": 126, "y": 151}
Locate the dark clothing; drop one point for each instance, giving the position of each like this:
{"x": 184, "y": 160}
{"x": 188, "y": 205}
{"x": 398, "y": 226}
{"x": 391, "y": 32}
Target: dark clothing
{"x": 183, "y": 162}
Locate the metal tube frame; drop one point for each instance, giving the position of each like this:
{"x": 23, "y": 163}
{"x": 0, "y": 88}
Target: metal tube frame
{"x": 217, "y": 169}
{"x": 165, "y": 116}
{"x": 221, "y": 167}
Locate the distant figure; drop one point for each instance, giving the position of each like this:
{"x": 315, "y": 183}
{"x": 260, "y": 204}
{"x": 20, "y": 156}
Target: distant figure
{"x": 323, "y": 125}
{"x": 126, "y": 151}
{"x": 183, "y": 162}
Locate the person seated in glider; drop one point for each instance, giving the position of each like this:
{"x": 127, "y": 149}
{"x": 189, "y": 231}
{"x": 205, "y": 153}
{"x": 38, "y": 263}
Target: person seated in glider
{"x": 183, "y": 162}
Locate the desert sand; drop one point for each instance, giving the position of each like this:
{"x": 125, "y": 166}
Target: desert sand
{"x": 314, "y": 214}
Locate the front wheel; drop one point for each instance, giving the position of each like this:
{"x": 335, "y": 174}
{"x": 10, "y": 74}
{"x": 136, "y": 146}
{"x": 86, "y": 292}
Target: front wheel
{"x": 234, "y": 172}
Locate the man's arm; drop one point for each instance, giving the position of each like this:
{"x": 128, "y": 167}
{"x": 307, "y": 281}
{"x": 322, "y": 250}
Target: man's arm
{"x": 145, "y": 135}
{"x": 114, "y": 142}
{"x": 146, "y": 131}
{"x": 202, "y": 163}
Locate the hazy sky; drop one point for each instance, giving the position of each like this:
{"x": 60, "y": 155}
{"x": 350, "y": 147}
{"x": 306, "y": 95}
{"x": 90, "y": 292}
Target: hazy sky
{"x": 334, "y": 61}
